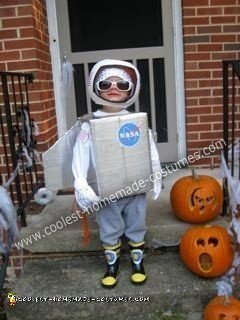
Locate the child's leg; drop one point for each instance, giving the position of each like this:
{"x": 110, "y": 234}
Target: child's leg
{"x": 135, "y": 219}
{"x": 112, "y": 254}
{"x": 111, "y": 223}
{"x": 138, "y": 275}
{"x": 111, "y": 228}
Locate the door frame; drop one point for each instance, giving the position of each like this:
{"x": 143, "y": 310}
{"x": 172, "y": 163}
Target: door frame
{"x": 178, "y": 68}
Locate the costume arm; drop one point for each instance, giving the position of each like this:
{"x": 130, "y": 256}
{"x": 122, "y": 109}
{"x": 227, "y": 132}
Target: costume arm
{"x": 156, "y": 167}
{"x": 85, "y": 195}
{"x": 81, "y": 153}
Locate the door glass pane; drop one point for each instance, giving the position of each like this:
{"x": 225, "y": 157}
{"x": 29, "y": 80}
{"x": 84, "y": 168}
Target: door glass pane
{"x": 80, "y": 92}
{"x": 144, "y": 95}
{"x": 100, "y": 25}
{"x": 160, "y": 100}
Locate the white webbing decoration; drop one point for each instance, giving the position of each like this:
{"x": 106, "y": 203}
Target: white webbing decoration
{"x": 233, "y": 275}
{"x": 8, "y": 220}
{"x": 67, "y": 76}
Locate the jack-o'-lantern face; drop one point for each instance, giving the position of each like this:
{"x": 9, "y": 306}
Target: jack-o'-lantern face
{"x": 196, "y": 200}
{"x": 207, "y": 250}
{"x": 203, "y": 200}
{"x": 221, "y": 308}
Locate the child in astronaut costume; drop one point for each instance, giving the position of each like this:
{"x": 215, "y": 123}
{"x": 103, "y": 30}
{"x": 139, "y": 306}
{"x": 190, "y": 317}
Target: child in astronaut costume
{"x": 114, "y": 85}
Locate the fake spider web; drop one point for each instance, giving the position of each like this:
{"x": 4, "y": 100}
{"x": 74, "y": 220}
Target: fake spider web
{"x": 232, "y": 277}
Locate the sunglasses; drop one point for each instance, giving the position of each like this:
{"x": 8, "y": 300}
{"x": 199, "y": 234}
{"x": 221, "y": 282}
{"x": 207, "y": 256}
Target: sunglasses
{"x": 122, "y": 85}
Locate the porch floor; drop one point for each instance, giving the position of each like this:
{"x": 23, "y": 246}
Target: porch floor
{"x": 171, "y": 288}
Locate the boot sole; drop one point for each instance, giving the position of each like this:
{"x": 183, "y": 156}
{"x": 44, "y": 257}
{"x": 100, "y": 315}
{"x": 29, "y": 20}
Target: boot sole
{"x": 138, "y": 283}
{"x": 111, "y": 286}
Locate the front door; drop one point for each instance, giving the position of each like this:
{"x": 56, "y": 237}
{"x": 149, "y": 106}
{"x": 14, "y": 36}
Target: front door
{"x": 141, "y": 33}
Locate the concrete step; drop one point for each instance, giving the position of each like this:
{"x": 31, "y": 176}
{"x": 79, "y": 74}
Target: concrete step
{"x": 170, "y": 286}
{"x": 164, "y": 229}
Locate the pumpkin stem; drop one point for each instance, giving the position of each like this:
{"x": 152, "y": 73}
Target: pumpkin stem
{"x": 194, "y": 175}
{"x": 226, "y": 301}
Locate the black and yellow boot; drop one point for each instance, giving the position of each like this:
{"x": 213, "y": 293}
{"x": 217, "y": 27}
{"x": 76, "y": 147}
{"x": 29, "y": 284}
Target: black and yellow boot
{"x": 112, "y": 254}
{"x": 138, "y": 275}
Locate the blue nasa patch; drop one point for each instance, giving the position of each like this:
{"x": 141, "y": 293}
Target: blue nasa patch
{"x": 129, "y": 134}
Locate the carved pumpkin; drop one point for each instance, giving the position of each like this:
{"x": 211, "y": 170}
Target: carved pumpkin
{"x": 196, "y": 199}
{"x": 221, "y": 308}
{"x": 206, "y": 250}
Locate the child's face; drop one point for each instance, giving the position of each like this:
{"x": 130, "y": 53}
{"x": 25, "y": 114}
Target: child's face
{"x": 114, "y": 94}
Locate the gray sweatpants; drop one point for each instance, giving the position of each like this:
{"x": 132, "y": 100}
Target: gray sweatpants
{"x": 126, "y": 216}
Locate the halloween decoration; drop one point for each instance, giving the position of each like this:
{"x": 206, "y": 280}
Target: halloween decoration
{"x": 196, "y": 199}
{"x": 232, "y": 277}
{"x": 67, "y": 75}
{"x": 222, "y": 308}
{"x": 206, "y": 250}
{"x": 225, "y": 306}
{"x": 8, "y": 218}
{"x": 43, "y": 196}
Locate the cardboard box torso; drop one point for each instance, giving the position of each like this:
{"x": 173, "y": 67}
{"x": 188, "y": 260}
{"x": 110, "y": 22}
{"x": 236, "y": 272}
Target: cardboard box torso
{"x": 122, "y": 154}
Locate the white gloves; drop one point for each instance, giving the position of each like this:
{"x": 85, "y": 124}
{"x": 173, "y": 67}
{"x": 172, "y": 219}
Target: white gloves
{"x": 84, "y": 194}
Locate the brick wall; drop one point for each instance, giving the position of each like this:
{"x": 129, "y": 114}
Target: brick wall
{"x": 24, "y": 47}
{"x": 211, "y": 31}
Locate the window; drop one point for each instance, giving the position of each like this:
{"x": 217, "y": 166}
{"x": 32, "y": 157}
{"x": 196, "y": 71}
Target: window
{"x": 104, "y": 25}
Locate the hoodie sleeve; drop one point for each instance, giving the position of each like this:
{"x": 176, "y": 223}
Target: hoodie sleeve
{"x": 156, "y": 167}
{"x": 81, "y": 152}
{"x": 84, "y": 194}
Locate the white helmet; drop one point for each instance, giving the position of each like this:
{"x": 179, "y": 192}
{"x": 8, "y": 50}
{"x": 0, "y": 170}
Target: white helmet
{"x": 107, "y": 68}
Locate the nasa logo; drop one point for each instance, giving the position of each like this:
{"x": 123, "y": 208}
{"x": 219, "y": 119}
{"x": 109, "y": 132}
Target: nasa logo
{"x": 129, "y": 134}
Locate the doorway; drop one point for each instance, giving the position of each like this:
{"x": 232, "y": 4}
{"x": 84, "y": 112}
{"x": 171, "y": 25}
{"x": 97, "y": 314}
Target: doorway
{"x": 142, "y": 34}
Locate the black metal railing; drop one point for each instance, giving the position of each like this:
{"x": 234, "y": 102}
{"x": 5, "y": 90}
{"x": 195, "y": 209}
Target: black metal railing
{"x": 18, "y": 147}
{"x": 18, "y": 169}
{"x": 231, "y": 121}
